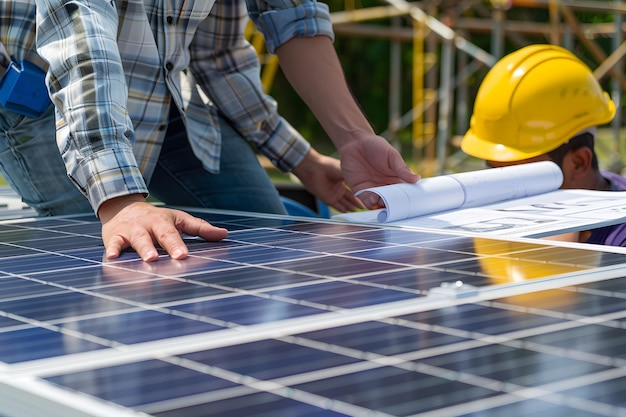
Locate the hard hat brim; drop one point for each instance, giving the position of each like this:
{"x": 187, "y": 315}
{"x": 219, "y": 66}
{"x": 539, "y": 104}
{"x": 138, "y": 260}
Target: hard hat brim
{"x": 490, "y": 151}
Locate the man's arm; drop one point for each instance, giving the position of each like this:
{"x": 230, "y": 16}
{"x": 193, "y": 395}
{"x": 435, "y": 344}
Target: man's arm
{"x": 302, "y": 37}
{"x": 88, "y": 88}
{"x": 227, "y": 68}
{"x": 312, "y": 67}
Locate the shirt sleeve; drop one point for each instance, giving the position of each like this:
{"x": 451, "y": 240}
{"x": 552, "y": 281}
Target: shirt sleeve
{"x": 227, "y": 69}
{"x": 87, "y": 85}
{"x": 282, "y": 20}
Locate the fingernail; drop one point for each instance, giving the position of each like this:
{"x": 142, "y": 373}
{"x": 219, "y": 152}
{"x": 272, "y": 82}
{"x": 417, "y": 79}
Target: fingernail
{"x": 150, "y": 256}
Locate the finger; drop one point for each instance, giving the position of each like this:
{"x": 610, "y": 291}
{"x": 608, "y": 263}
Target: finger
{"x": 346, "y": 203}
{"x": 114, "y": 246}
{"x": 371, "y": 200}
{"x": 211, "y": 233}
{"x": 195, "y": 226}
{"x": 142, "y": 244}
{"x": 353, "y": 202}
{"x": 402, "y": 170}
{"x": 170, "y": 239}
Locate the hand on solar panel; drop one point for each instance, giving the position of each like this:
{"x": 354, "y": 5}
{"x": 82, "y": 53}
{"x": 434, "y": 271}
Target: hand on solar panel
{"x": 322, "y": 176}
{"x": 129, "y": 221}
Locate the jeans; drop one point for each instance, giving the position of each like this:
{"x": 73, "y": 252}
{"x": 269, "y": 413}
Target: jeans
{"x": 31, "y": 164}
{"x": 242, "y": 184}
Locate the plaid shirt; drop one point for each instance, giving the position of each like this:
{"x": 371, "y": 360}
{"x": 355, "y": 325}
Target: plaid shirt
{"x": 116, "y": 65}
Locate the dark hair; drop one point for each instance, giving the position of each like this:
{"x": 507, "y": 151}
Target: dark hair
{"x": 584, "y": 139}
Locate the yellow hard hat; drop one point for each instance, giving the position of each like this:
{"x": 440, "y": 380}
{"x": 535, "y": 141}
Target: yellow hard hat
{"x": 531, "y": 102}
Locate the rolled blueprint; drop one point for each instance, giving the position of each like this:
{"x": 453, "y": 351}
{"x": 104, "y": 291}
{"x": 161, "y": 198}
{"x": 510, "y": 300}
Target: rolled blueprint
{"x": 466, "y": 189}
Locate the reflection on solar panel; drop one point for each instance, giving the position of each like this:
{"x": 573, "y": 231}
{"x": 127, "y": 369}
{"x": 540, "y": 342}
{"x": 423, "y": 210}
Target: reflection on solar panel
{"x": 293, "y": 317}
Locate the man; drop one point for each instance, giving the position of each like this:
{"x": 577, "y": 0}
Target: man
{"x": 117, "y": 70}
{"x": 30, "y": 161}
{"x": 541, "y": 103}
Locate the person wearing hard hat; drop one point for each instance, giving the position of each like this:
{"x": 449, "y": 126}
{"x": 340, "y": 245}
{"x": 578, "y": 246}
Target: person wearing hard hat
{"x": 542, "y": 103}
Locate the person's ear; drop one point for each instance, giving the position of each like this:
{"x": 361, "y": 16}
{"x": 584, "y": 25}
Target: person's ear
{"x": 579, "y": 162}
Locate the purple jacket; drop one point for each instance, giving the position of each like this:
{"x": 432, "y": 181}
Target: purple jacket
{"x": 611, "y": 235}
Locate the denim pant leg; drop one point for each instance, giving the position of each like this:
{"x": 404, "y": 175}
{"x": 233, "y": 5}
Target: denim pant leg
{"x": 32, "y": 165}
{"x": 242, "y": 184}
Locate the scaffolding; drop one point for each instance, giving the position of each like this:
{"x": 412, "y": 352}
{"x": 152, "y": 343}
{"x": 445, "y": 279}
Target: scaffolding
{"x": 444, "y": 57}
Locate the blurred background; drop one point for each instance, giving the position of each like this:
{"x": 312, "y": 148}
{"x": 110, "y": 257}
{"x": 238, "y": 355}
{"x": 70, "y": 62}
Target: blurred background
{"x": 415, "y": 67}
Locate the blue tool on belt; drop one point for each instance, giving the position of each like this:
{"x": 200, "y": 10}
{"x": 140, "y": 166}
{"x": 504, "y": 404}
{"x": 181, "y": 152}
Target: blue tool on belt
{"x": 23, "y": 89}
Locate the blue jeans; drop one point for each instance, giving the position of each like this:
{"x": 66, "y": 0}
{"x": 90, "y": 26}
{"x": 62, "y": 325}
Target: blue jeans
{"x": 31, "y": 164}
{"x": 242, "y": 184}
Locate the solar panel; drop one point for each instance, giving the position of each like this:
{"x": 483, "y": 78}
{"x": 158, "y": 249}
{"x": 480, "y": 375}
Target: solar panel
{"x": 302, "y": 317}
{"x": 11, "y": 205}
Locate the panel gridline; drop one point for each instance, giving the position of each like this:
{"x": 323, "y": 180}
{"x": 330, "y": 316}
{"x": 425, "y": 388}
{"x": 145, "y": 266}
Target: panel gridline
{"x": 293, "y": 317}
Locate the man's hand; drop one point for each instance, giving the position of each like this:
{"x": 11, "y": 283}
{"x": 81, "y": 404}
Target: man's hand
{"x": 321, "y": 175}
{"x": 370, "y": 161}
{"x": 313, "y": 69}
{"x": 129, "y": 221}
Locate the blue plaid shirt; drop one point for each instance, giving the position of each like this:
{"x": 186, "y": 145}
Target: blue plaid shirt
{"x": 115, "y": 67}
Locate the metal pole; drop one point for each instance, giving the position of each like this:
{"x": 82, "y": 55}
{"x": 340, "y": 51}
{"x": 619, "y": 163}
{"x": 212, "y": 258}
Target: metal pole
{"x": 444, "y": 31}
{"x": 616, "y": 88}
{"x": 497, "y": 37}
{"x": 462, "y": 98}
{"x": 446, "y": 98}
{"x": 395, "y": 91}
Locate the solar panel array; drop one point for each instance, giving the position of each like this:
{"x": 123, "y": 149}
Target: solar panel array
{"x": 299, "y": 317}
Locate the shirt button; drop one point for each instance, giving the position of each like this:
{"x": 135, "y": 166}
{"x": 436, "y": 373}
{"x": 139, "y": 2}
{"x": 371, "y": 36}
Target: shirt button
{"x": 161, "y": 128}
{"x": 169, "y": 19}
{"x": 169, "y": 66}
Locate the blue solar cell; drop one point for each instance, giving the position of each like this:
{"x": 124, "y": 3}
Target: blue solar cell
{"x": 382, "y": 338}
{"x": 396, "y": 392}
{"x": 251, "y": 278}
{"x": 531, "y": 408}
{"x": 484, "y": 319}
{"x": 161, "y": 381}
{"x": 607, "y": 392}
{"x": 406, "y": 237}
{"x": 270, "y": 359}
{"x": 343, "y": 295}
{"x": 413, "y": 255}
{"x": 27, "y": 344}
{"x": 61, "y": 306}
{"x": 420, "y": 280}
{"x": 140, "y": 326}
{"x": 40, "y": 262}
{"x": 254, "y": 255}
{"x": 604, "y": 340}
{"x": 337, "y": 266}
{"x": 12, "y": 288}
{"x": 518, "y": 366}
{"x": 258, "y": 405}
{"x": 152, "y": 290}
{"x": 246, "y": 310}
